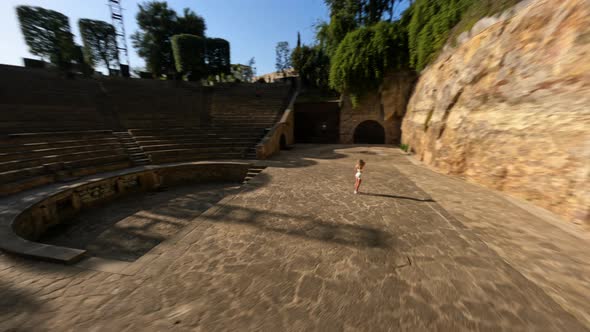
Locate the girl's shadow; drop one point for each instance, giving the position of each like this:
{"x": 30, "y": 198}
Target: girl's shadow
{"x": 398, "y": 197}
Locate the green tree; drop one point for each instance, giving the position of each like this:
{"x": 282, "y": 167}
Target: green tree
{"x": 283, "y": 61}
{"x": 157, "y": 24}
{"x": 191, "y": 23}
{"x": 362, "y": 12}
{"x": 242, "y": 73}
{"x": 100, "y": 42}
{"x": 252, "y": 66}
{"x": 313, "y": 66}
{"x": 48, "y": 35}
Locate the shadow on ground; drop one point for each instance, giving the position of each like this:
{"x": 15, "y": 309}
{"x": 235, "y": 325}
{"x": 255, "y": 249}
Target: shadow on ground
{"x": 16, "y": 302}
{"x": 307, "y": 227}
{"x": 397, "y": 197}
{"x": 298, "y": 156}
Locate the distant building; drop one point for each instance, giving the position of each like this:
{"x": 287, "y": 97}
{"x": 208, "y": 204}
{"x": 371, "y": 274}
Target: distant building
{"x": 277, "y": 75}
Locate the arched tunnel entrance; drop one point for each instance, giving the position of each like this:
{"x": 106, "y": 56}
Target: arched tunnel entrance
{"x": 369, "y": 132}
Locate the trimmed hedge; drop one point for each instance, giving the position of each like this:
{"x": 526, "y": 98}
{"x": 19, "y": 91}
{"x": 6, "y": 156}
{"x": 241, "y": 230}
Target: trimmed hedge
{"x": 217, "y": 56}
{"x": 189, "y": 55}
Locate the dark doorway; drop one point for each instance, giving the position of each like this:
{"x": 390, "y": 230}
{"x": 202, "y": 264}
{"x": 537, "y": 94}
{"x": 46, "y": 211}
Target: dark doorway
{"x": 317, "y": 122}
{"x": 369, "y": 132}
{"x": 283, "y": 142}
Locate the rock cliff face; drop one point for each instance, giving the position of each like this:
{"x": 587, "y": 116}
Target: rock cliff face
{"x": 509, "y": 107}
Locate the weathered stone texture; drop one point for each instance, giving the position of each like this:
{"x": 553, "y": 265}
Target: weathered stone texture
{"x": 510, "y": 107}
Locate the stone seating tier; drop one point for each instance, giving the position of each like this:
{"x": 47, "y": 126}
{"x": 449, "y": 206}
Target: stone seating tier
{"x": 61, "y": 128}
{"x": 172, "y": 145}
{"x": 32, "y": 159}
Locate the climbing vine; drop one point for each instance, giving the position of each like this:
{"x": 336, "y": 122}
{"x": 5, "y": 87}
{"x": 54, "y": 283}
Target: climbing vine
{"x": 365, "y": 55}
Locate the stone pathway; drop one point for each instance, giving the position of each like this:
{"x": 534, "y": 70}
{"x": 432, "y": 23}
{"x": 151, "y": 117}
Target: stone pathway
{"x": 553, "y": 253}
{"x": 295, "y": 250}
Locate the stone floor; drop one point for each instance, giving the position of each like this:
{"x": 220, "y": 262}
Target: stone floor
{"x": 295, "y": 250}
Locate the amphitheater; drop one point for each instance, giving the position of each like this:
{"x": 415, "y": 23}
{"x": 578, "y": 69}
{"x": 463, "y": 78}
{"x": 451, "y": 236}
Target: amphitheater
{"x": 131, "y": 205}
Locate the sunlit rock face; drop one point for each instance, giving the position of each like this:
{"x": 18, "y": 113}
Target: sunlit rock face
{"x": 509, "y": 107}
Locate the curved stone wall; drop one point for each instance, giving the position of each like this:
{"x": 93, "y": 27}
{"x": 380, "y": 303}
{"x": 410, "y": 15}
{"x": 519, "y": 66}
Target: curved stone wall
{"x": 32, "y": 215}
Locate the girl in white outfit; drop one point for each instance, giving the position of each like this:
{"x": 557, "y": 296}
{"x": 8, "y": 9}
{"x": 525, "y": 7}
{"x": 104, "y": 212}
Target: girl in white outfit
{"x": 359, "y": 171}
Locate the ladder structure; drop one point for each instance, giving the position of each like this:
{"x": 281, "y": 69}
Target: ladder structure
{"x": 117, "y": 19}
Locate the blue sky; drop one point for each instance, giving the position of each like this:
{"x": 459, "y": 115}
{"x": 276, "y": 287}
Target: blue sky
{"x": 253, "y": 27}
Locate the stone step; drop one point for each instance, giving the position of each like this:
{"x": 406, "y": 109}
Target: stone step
{"x": 63, "y": 149}
{"x": 106, "y": 142}
{"x": 155, "y": 140}
{"x": 18, "y": 174}
{"x": 27, "y": 155}
{"x": 210, "y": 131}
{"x": 155, "y": 147}
{"x": 207, "y": 150}
{"x": 51, "y": 161}
{"x": 195, "y": 157}
{"x": 96, "y": 161}
{"x": 25, "y": 184}
{"x": 32, "y": 137}
{"x": 253, "y": 171}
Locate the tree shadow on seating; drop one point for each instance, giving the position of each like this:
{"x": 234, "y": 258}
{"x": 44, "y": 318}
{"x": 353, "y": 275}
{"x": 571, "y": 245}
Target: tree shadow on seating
{"x": 398, "y": 197}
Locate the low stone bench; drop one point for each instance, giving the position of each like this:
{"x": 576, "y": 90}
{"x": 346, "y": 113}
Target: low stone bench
{"x": 26, "y": 216}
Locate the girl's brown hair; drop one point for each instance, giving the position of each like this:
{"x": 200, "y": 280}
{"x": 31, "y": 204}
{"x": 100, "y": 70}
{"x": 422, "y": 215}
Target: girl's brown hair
{"x": 360, "y": 163}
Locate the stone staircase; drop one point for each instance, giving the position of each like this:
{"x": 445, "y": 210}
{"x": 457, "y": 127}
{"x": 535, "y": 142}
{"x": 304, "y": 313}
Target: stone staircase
{"x": 135, "y": 152}
{"x": 252, "y": 172}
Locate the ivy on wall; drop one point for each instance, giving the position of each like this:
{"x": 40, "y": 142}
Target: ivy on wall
{"x": 365, "y": 55}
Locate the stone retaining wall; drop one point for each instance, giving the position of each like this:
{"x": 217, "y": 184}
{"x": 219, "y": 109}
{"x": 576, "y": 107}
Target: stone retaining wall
{"x": 32, "y": 215}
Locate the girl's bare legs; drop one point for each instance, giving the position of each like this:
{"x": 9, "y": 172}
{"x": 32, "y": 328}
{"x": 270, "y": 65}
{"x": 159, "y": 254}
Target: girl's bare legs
{"x": 357, "y": 185}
